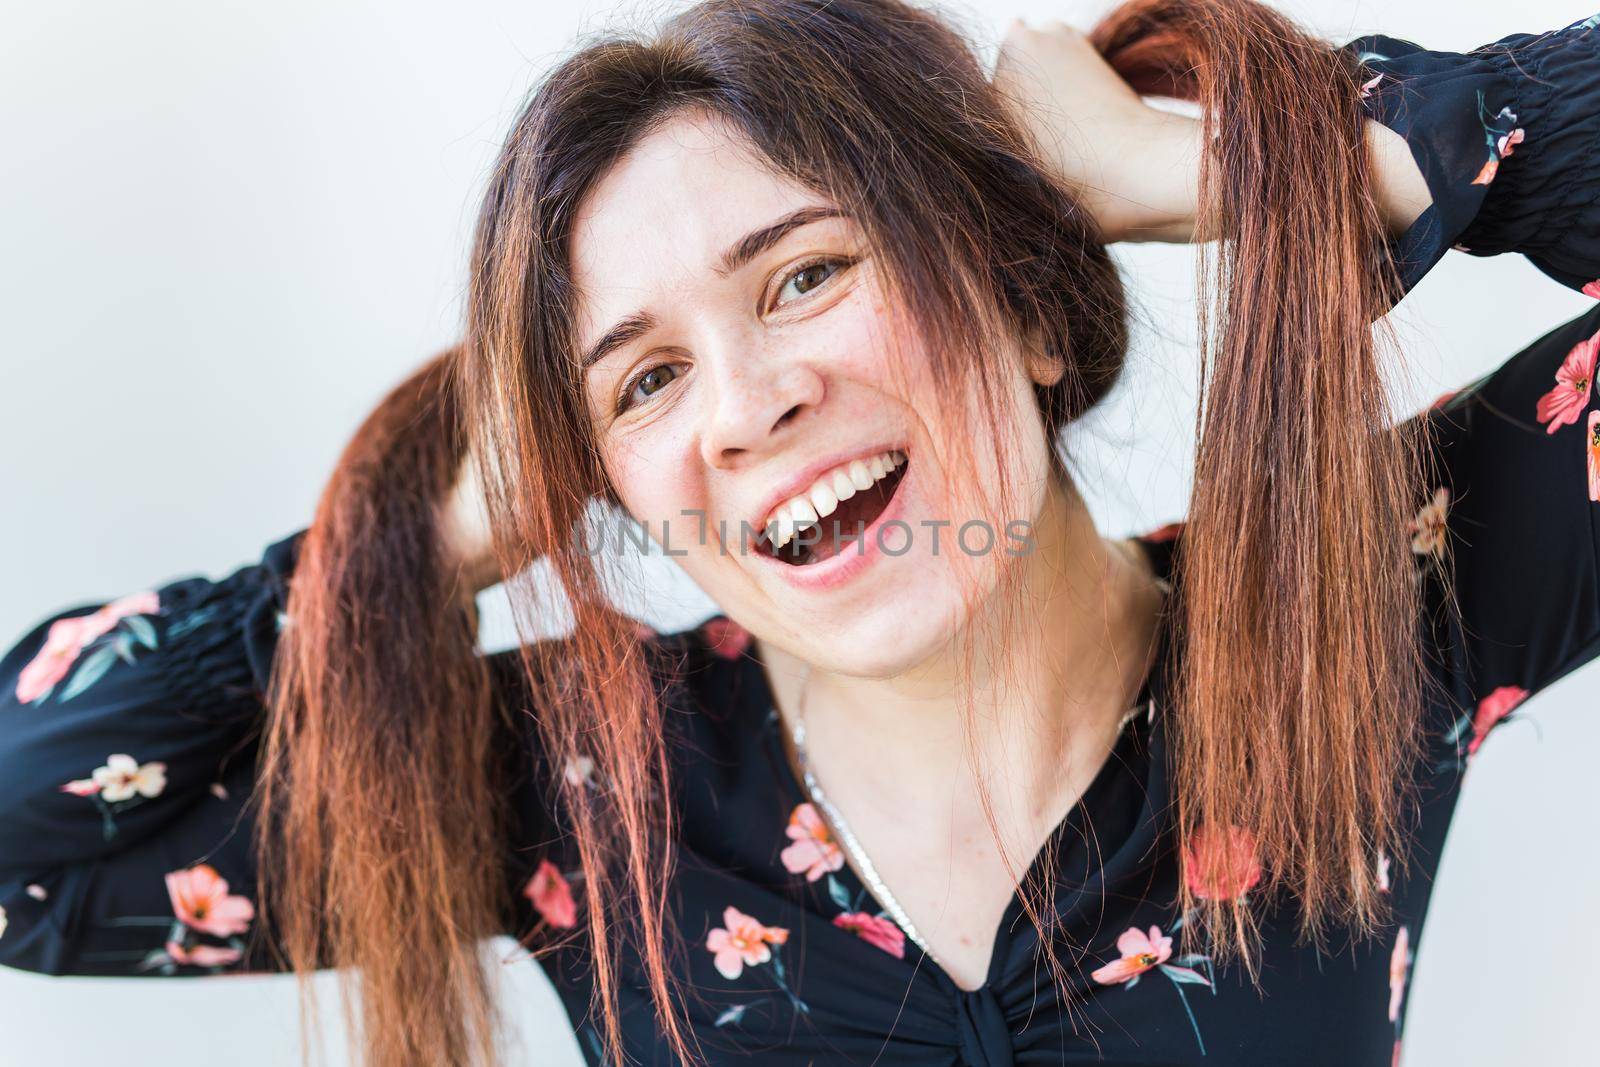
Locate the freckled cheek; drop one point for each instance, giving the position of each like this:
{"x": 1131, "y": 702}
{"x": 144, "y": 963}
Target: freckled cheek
{"x": 869, "y": 348}
{"x": 657, "y": 487}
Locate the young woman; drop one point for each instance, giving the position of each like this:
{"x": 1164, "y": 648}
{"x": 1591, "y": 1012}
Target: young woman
{"x": 971, "y": 783}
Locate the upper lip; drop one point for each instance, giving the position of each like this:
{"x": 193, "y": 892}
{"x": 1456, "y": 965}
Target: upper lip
{"x": 802, "y": 481}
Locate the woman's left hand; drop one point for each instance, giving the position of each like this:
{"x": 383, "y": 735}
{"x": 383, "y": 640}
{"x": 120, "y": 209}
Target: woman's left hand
{"x": 1135, "y": 167}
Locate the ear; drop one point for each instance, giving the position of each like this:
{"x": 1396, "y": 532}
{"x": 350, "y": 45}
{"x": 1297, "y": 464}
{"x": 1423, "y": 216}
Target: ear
{"x": 1043, "y": 368}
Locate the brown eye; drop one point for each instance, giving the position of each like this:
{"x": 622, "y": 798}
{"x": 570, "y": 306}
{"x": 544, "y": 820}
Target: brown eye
{"x": 646, "y": 385}
{"x": 656, "y": 375}
{"x": 811, "y": 276}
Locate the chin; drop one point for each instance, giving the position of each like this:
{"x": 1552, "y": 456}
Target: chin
{"x": 884, "y": 643}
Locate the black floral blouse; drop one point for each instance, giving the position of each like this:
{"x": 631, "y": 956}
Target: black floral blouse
{"x": 127, "y": 729}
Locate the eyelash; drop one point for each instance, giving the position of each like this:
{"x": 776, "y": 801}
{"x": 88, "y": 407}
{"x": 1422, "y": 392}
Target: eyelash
{"x": 624, "y": 401}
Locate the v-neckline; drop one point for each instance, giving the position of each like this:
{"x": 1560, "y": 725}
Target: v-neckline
{"x": 1124, "y": 757}
{"x": 1127, "y": 751}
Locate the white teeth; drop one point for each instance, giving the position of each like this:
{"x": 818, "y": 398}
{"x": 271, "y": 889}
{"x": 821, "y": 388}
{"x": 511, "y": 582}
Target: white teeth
{"x": 782, "y": 527}
{"x": 797, "y": 515}
{"x": 823, "y": 497}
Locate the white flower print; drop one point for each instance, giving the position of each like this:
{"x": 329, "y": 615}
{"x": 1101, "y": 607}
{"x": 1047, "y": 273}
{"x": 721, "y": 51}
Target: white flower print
{"x": 124, "y": 777}
{"x": 579, "y": 770}
{"x": 1427, "y": 529}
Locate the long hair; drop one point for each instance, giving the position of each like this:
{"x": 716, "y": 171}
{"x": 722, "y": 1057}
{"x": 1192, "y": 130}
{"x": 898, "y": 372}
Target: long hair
{"x": 1299, "y": 667}
{"x": 1298, "y": 694}
{"x": 382, "y": 778}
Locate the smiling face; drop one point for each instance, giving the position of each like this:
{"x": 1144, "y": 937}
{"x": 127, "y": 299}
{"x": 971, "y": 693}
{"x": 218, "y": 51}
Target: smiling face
{"x": 740, "y": 351}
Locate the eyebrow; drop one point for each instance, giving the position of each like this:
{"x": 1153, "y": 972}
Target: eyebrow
{"x": 741, "y": 252}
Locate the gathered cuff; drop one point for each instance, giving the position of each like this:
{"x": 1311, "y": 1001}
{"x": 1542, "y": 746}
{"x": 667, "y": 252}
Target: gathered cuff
{"x": 221, "y": 636}
{"x": 1460, "y": 113}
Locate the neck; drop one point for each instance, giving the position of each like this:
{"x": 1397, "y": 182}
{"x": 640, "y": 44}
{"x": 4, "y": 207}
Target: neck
{"x": 1052, "y": 670}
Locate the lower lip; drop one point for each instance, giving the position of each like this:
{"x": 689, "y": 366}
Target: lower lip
{"x": 852, "y": 560}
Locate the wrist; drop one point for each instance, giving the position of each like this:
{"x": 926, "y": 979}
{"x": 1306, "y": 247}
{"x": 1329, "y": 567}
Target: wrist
{"x": 1164, "y": 205}
{"x": 464, "y": 527}
{"x": 1398, "y": 187}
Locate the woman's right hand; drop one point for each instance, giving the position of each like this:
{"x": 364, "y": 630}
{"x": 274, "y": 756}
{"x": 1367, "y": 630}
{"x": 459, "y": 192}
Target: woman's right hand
{"x": 465, "y": 529}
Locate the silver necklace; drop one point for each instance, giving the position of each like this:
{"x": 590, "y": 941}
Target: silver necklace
{"x": 847, "y": 838}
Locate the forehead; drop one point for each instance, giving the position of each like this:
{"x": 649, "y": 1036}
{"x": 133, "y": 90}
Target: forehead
{"x": 655, "y": 225}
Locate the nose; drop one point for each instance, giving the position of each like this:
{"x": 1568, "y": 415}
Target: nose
{"x": 758, "y": 393}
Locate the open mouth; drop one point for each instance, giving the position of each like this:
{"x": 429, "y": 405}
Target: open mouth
{"x": 836, "y": 532}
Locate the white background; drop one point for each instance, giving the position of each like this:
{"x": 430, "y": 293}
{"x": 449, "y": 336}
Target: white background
{"x": 226, "y": 229}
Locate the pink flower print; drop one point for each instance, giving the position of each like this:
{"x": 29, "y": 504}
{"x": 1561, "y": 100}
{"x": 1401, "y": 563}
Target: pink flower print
{"x": 1592, "y": 447}
{"x": 1399, "y": 968}
{"x": 552, "y": 896}
{"x": 1221, "y": 865}
{"x": 1501, "y": 141}
{"x": 144, "y": 602}
{"x": 727, "y": 638}
{"x": 1369, "y": 85}
{"x": 1140, "y": 952}
{"x": 742, "y": 942}
{"x": 1592, "y": 289}
{"x": 1167, "y": 532}
{"x": 1384, "y": 863}
{"x": 200, "y": 899}
{"x": 203, "y": 955}
{"x": 51, "y": 663}
{"x": 814, "y": 852}
{"x": 874, "y": 930}
{"x": 141, "y": 603}
{"x": 1491, "y": 709}
{"x": 1427, "y": 528}
{"x": 1566, "y": 399}
{"x": 68, "y": 637}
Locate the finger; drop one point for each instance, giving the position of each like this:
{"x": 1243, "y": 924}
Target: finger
{"x": 1018, "y": 29}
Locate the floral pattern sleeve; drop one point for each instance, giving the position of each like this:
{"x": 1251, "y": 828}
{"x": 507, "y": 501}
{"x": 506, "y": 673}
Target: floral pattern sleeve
{"x": 1506, "y": 138}
{"x": 127, "y": 733}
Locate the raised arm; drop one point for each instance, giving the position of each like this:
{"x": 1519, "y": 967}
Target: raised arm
{"x": 126, "y": 765}
{"x": 1504, "y": 135}
{"x": 1486, "y": 151}
{"x": 128, "y": 736}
